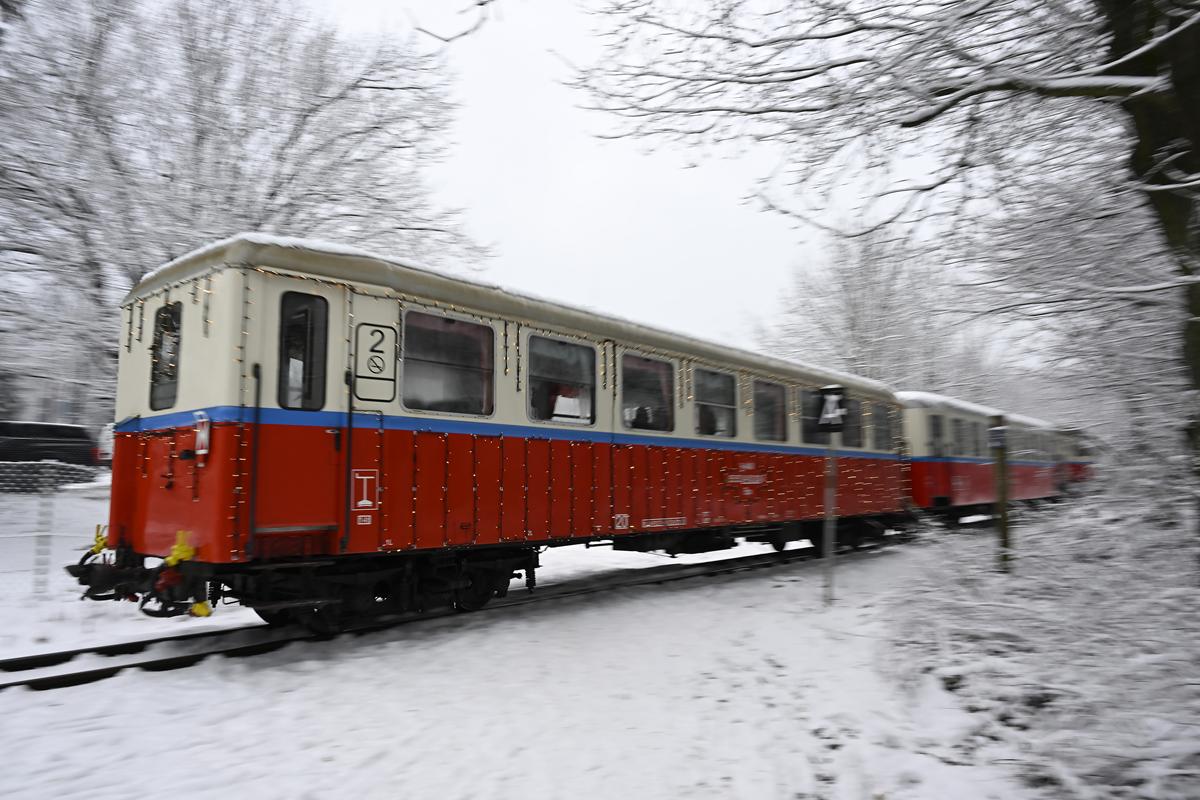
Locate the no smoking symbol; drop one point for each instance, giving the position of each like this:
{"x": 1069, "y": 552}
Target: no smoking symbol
{"x": 375, "y": 364}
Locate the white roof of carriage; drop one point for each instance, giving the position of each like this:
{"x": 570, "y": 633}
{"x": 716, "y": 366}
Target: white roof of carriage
{"x": 339, "y": 262}
{"x": 945, "y": 402}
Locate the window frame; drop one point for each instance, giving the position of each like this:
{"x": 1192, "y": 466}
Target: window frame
{"x": 783, "y": 408}
{"x": 473, "y": 320}
{"x": 880, "y": 408}
{"x": 697, "y": 402}
{"x": 936, "y": 434}
{"x": 155, "y": 345}
{"x": 280, "y": 378}
{"x": 529, "y": 378}
{"x": 851, "y": 405}
{"x": 620, "y": 409}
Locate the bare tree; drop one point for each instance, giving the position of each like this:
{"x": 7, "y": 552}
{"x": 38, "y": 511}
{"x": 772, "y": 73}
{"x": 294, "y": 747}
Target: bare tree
{"x": 9, "y": 10}
{"x": 135, "y": 131}
{"x": 880, "y": 308}
{"x": 151, "y": 129}
{"x": 1082, "y": 262}
{"x": 931, "y": 109}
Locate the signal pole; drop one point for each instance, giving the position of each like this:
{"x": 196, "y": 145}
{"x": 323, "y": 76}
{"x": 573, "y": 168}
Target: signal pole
{"x": 997, "y": 440}
{"x": 830, "y": 419}
{"x": 829, "y": 545}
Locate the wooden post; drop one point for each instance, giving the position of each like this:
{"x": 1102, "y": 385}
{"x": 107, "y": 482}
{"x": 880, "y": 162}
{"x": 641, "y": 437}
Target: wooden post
{"x": 998, "y": 440}
{"x": 829, "y": 546}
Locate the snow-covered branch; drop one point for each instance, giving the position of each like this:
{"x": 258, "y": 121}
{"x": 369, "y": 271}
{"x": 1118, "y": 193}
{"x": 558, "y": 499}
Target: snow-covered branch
{"x": 1116, "y": 86}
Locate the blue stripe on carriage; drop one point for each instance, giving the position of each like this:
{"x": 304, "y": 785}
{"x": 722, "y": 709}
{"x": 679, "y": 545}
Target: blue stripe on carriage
{"x": 337, "y": 419}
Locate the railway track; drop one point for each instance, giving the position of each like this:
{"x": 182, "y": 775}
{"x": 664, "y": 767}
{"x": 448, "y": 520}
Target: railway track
{"x": 88, "y": 664}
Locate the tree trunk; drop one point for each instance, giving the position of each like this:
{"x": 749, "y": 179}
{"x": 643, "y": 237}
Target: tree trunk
{"x": 1167, "y": 127}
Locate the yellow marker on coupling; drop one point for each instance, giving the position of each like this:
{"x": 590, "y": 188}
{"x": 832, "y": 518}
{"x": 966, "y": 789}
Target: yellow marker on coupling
{"x": 101, "y": 539}
{"x": 180, "y": 551}
{"x": 201, "y": 609}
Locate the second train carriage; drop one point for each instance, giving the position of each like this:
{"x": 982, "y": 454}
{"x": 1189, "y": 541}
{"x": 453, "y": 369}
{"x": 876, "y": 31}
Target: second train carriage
{"x": 305, "y": 427}
{"x": 951, "y": 464}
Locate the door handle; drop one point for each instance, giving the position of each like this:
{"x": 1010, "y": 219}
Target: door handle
{"x": 337, "y": 437}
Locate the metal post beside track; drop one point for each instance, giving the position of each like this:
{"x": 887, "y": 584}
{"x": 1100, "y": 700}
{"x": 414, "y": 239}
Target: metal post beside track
{"x": 41, "y": 541}
{"x": 830, "y": 419}
{"x": 997, "y": 440}
{"x": 830, "y": 544}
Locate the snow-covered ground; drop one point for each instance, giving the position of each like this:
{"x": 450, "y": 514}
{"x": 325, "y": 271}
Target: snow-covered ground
{"x": 930, "y": 678}
{"x": 40, "y": 606}
{"x": 733, "y": 687}
{"x": 1087, "y": 658}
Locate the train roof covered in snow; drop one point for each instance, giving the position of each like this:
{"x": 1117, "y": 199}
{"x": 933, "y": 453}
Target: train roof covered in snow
{"x": 947, "y": 403}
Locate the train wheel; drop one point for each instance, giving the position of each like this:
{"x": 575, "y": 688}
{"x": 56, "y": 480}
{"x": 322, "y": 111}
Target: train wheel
{"x": 323, "y": 621}
{"x": 478, "y": 594}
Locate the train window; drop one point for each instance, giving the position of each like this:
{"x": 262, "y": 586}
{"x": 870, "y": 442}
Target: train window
{"x": 977, "y": 446}
{"x": 881, "y": 422}
{"x": 562, "y": 381}
{"x": 716, "y": 403}
{"x": 448, "y": 364}
{"x": 164, "y": 356}
{"x": 959, "y": 437}
{"x": 647, "y": 393}
{"x": 770, "y": 412}
{"x": 810, "y": 407}
{"x": 935, "y": 436}
{"x": 303, "y": 332}
{"x": 852, "y": 428}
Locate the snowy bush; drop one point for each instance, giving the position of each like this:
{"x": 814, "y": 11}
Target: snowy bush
{"x": 1085, "y": 657}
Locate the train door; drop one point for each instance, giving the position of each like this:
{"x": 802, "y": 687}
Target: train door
{"x": 371, "y": 394}
{"x": 291, "y": 396}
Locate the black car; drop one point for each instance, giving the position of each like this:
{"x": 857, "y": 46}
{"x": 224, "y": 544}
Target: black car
{"x": 46, "y": 441}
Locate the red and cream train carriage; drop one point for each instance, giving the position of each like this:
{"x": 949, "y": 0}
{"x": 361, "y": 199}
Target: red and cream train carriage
{"x": 305, "y": 427}
{"x": 952, "y": 467}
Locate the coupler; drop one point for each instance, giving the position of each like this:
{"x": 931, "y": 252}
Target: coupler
{"x": 172, "y": 588}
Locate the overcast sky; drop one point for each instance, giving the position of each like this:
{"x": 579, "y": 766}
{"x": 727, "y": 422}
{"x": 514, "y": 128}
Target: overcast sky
{"x": 582, "y": 220}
